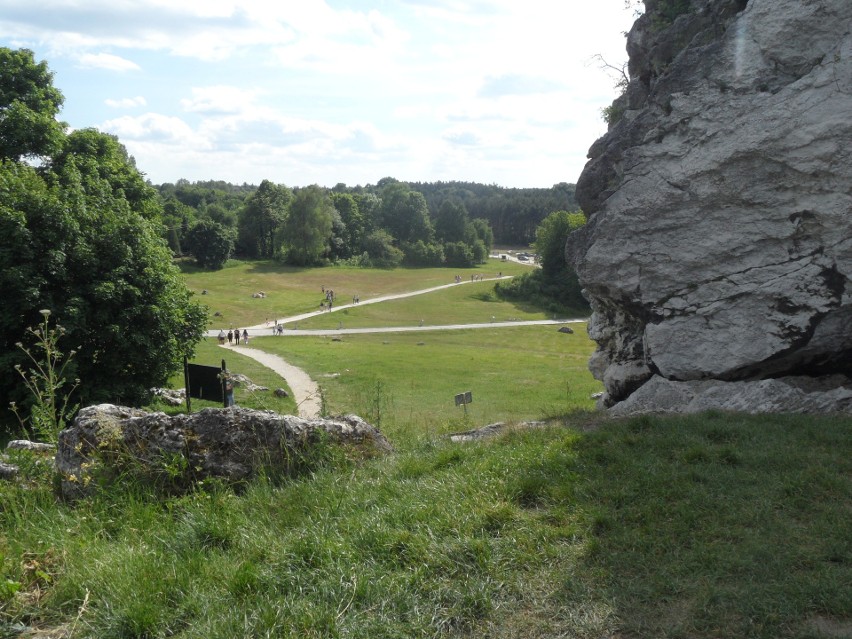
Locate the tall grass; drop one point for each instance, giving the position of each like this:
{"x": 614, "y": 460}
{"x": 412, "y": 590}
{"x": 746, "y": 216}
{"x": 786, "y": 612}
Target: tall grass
{"x": 706, "y": 526}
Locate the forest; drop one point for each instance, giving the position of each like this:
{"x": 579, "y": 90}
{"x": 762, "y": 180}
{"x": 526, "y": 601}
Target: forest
{"x": 384, "y": 224}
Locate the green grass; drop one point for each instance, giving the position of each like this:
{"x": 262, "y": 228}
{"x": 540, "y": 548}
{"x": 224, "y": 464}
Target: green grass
{"x": 406, "y": 382}
{"x": 292, "y": 291}
{"x": 696, "y": 527}
{"x": 465, "y": 304}
{"x": 689, "y": 527}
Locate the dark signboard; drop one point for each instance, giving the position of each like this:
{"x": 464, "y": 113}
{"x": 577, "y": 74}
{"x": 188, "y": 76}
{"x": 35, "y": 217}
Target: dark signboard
{"x": 204, "y": 382}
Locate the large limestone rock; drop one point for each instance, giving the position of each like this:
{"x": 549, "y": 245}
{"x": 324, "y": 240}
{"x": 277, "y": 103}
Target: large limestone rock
{"x": 229, "y": 443}
{"x": 719, "y": 239}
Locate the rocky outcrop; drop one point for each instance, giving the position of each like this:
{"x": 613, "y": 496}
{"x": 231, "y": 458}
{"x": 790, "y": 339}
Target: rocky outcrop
{"x": 232, "y": 444}
{"x": 719, "y": 236}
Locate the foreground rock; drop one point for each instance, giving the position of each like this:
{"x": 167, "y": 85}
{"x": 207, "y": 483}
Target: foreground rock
{"x": 718, "y": 245}
{"x": 233, "y": 444}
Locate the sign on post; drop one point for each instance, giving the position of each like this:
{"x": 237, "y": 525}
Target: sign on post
{"x": 204, "y": 382}
{"x": 463, "y": 399}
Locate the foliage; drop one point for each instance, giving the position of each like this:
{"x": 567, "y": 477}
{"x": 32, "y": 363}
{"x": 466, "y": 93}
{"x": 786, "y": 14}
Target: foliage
{"x": 379, "y": 245}
{"x": 555, "y": 286}
{"x": 405, "y": 214}
{"x": 459, "y": 254}
{"x": 29, "y": 104}
{"x": 421, "y": 254}
{"x": 210, "y": 243}
{"x": 79, "y": 236}
{"x": 260, "y": 220}
{"x": 45, "y": 378}
{"x": 307, "y": 230}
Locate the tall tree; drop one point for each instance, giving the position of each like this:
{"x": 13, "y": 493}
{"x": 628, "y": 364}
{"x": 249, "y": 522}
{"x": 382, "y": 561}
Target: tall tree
{"x": 73, "y": 242}
{"x": 29, "y": 104}
{"x": 451, "y": 221}
{"x": 307, "y": 230}
{"x": 405, "y": 213}
{"x": 210, "y": 243}
{"x": 264, "y": 213}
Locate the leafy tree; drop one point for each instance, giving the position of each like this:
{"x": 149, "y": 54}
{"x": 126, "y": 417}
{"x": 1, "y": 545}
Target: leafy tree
{"x": 210, "y": 243}
{"x": 550, "y": 238}
{"x": 459, "y": 254}
{"x": 554, "y": 286}
{"x": 107, "y": 171}
{"x": 484, "y": 233}
{"x": 355, "y": 227}
{"x": 420, "y": 253}
{"x": 264, "y": 214}
{"x": 72, "y": 242}
{"x": 405, "y": 214}
{"x": 29, "y": 104}
{"x": 307, "y": 230}
{"x": 383, "y": 254}
{"x": 451, "y": 222}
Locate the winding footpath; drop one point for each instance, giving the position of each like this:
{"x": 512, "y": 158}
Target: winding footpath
{"x": 306, "y": 391}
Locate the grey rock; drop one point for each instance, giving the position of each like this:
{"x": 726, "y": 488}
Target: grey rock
{"x": 25, "y": 444}
{"x": 280, "y": 392}
{"x": 229, "y": 443}
{"x": 8, "y": 472}
{"x": 718, "y": 243}
{"x": 566, "y": 329}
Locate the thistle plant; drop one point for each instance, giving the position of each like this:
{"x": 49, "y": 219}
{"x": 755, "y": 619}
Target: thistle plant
{"x": 45, "y": 380}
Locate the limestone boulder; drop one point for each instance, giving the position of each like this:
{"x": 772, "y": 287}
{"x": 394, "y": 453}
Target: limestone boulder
{"x": 719, "y": 236}
{"x": 233, "y": 444}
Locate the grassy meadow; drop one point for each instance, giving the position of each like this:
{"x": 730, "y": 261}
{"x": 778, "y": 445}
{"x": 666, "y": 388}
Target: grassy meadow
{"x": 683, "y": 527}
{"x": 293, "y": 291}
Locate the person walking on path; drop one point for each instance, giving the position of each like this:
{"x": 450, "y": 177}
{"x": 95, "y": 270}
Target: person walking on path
{"x": 245, "y": 336}
{"x": 221, "y": 337}
{"x": 230, "y": 336}
{"x": 236, "y": 337}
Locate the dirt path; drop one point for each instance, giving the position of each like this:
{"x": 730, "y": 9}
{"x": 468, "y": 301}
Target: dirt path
{"x": 306, "y": 391}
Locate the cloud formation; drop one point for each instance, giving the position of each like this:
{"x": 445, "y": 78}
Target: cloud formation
{"x": 488, "y": 90}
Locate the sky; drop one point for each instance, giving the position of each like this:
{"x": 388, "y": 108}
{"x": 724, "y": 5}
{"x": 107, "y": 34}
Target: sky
{"x": 299, "y": 92}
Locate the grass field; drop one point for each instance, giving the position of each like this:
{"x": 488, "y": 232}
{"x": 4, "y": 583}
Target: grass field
{"x": 689, "y": 527}
{"x": 292, "y": 291}
{"x": 464, "y": 304}
{"x": 407, "y": 381}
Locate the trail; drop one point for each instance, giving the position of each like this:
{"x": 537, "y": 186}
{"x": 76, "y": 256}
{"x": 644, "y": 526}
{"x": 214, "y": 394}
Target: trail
{"x": 306, "y": 391}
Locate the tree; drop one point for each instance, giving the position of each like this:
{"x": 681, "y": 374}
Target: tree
{"x": 72, "y": 242}
{"x": 262, "y": 217}
{"x": 550, "y": 238}
{"x": 451, "y": 222}
{"x": 405, "y": 214}
{"x": 29, "y": 104}
{"x": 353, "y": 221}
{"x": 307, "y": 230}
{"x": 383, "y": 254}
{"x": 210, "y": 243}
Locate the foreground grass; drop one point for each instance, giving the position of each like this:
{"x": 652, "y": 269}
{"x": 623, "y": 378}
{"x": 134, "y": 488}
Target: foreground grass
{"x": 292, "y": 291}
{"x": 706, "y": 526}
{"x": 406, "y": 382}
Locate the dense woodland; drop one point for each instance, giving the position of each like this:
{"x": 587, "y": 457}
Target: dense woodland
{"x": 385, "y": 224}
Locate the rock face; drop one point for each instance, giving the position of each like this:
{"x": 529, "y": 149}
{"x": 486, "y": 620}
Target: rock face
{"x": 229, "y": 443}
{"x": 719, "y": 238}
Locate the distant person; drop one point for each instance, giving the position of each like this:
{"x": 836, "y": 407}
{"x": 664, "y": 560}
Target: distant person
{"x": 245, "y": 336}
{"x": 221, "y": 337}
{"x": 230, "y": 336}
{"x": 237, "y": 337}
{"x": 229, "y": 391}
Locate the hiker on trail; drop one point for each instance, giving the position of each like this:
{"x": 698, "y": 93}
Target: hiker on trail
{"x": 221, "y": 337}
{"x": 237, "y": 337}
{"x": 245, "y": 337}
{"x": 230, "y": 336}
{"x": 281, "y": 329}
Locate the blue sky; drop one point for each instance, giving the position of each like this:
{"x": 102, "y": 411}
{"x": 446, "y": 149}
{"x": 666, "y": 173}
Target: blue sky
{"x": 323, "y": 91}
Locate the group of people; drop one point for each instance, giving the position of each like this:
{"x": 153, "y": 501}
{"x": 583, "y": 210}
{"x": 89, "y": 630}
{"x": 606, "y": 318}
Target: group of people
{"x": 233, "y": 336}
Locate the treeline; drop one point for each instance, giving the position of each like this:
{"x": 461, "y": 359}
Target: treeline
{"x": 386, "y": 224}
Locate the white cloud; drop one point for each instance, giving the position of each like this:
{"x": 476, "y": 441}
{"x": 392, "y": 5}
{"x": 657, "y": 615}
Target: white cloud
{"x": 106, "y": 61}
{"x": 126, "y": 103}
